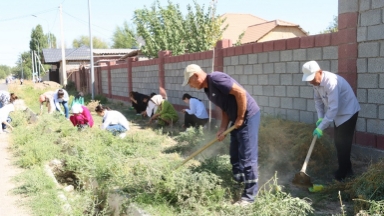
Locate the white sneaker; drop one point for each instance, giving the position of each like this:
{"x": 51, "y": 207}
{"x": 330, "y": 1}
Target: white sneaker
{"x": 122, "y": 135}
{"x": 242, "y": 203}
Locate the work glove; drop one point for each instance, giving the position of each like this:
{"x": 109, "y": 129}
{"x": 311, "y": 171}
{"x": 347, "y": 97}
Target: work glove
{"x": 319, "y": 121}
{"x": 318, "y": 132}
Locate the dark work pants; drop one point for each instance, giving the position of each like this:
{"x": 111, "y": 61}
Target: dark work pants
{"x": 193, "y": 121}
{"x": 244, "y": 155}
{"x": 343, "y": 141}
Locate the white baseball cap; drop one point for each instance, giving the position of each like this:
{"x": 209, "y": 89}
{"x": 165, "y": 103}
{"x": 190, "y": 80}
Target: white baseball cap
{"x": 309, "y": 70}
{"x": 189, "y": 71}
{"x": 76, "y": 109}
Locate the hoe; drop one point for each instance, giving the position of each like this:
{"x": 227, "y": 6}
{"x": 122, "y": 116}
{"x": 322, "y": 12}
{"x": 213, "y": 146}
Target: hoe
{"x": 301, "y": 178}
{"x": 203, "y": 148}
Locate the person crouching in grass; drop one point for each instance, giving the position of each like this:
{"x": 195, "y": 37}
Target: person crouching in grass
{"x": 165, "y": 113}
{"x": 81, "y": 117}
{"x": 196, "y": 115}
{"x": 113, "y": 121}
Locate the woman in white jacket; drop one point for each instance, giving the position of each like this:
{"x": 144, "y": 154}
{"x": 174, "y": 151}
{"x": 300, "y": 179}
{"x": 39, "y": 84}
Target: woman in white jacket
{"x": 113, "y": 121}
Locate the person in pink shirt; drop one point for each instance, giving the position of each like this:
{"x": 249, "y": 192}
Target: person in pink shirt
{"x": 81, "y": 117}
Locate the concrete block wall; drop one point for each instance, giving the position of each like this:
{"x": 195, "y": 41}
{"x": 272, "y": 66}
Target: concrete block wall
{"x": 174, "y": 78}
{"x": 104, "y": 81}
{"x": 119, "y": 78}
{"x": 273, "y": 78}
{"x": 370, "y": 71}
{"x": 145, "y": 79}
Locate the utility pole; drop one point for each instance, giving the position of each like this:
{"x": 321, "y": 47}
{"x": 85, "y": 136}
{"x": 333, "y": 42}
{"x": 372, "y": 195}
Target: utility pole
{"x": 33, "y": 67}
{"x": 91, "y": 46}
{"x": 63, "y": 77}
{"x": 22, "y": 72}
{"x": 213, "y": 8}
{"x": 36, "y": 65}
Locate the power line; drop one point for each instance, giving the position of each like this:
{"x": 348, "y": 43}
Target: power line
{"x": 85, "y": 22}
{"x": 54, "y": 21}
{"x": 23, "y": 16}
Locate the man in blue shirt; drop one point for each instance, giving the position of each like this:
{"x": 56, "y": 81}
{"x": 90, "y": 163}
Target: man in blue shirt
{"x": 241, "y": 109}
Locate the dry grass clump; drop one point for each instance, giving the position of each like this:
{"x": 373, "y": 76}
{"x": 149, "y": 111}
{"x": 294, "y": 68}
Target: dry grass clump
{"x": 367, "y": 190}
{"x": 92, "y": 105}
{"x": 283, "y": 146}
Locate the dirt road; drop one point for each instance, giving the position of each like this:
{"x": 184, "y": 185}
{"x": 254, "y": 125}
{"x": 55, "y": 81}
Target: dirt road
{"x": 10, "y": 204}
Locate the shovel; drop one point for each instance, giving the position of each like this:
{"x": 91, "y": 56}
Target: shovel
{"x": 301, "y": 178}
{"x": 204, "y": 147}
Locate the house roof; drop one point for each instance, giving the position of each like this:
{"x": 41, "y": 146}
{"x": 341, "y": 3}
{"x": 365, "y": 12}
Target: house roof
{"x": 81, "y": 53}
{"x": 256, "y": 32}
{"x": 237, "y": 24}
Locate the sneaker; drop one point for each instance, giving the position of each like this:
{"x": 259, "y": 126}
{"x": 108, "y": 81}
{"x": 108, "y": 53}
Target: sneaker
{"x": 242, "y": 203}
{"x": 122, "y": 135}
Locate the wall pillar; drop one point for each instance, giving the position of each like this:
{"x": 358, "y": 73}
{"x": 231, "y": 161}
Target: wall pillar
{"x": 219, "y": 57}
{"x": 129, "y": 70}
{"x": 109, "y": 80}
{"x": 347, "y": 49}
{"x": 162, "y": 55}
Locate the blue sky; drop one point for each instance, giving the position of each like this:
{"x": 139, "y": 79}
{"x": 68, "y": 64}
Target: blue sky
{"x": 16, "y": 20}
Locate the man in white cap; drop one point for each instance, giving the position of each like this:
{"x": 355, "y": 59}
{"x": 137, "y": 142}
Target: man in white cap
{"x": 335, "y": 102}
{"x": 241, "y": 109}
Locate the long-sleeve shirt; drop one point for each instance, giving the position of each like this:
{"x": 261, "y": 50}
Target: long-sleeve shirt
{"x": 334, "y": 100}
{"x": 112, "y": 117}
{"x": 197, "y": 108}
{"x": 151, "y": 108}
{"x": 4, "y": 112}
{"x": 58, "y": 100}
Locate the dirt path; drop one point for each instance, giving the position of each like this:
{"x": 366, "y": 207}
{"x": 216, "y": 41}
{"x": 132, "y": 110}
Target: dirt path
{"x": 9, "y": 203}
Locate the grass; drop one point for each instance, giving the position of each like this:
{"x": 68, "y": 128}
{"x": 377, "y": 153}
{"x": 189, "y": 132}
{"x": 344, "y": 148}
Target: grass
{"x": 141, "y": 166}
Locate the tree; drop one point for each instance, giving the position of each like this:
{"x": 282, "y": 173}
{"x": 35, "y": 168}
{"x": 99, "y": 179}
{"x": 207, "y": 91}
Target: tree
{"x": 51, "y": 37}
{"x": 165, "y": 28}
{"x": 124, "y": 37}
{"x": 38, "y": 39}
{"x": 84, "y": 40}
{"x": 27, "y": 66}
{"x": 5, "y": 70}
{"x": 333, "y": 26}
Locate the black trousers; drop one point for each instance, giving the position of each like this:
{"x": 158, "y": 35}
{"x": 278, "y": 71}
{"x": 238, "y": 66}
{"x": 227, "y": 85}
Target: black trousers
{"x": 193, "y": 121}
{"x": 343, "y": 140}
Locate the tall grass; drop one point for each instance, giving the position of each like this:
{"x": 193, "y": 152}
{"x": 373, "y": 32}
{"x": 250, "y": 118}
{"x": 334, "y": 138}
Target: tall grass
{"x": 138, "y": 166}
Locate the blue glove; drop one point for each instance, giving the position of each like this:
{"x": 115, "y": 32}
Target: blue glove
{"x": 319, "y": 121}
{"x": 318, "y": 132}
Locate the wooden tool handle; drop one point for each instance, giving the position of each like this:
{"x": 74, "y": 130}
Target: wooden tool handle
{"x": 309, "y": 154}
{"x": 204, "y": 147}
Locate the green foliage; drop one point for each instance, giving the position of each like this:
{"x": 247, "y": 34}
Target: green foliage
{"x": 52, "y": 39}
{"x": 333, "y": 26}
{"x": 238, "y": 42}
{"x": 41, "y": 190}
{"x": 124, "y": 37}
{"x": 97, "y": 43}
{"x": 24, "y": 66}
{"x": 135, "y": 166}
{"x": 165, "y": 28}
{"x": 5, "y": 71}
{"x": 375, "y": 207}
{"x": 38, "y": 39}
